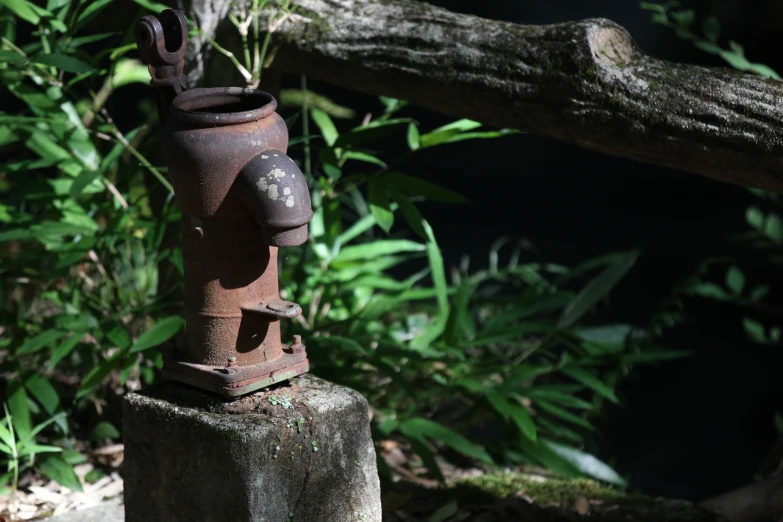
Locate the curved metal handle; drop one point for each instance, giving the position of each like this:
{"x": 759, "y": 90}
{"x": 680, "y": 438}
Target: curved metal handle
{"x": 162, "y": 41}
{"x": 277, "y": 309}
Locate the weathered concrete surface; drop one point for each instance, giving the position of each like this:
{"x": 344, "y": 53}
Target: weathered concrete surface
{"x": 110, "y": 511}
{"x": 192, "y": 456}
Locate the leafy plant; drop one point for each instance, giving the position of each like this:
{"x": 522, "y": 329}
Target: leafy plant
{"x": 765, "y": 225}
{"x": 438, "y": 357}
{"x": 724, "y": 279}
{"x": 682, "y": 20}
{"x": 19, "y": 447}
{"x": 503, "y": 346}
{"x": 756, "y": 297}
{"x": 83, "y": 224}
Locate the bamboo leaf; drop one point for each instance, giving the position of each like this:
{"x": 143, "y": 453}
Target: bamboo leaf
{"x": 586, "y": 464}
{"x": 409, "y": 211}
{"x": 11, "y": 57}
{"x": 513, "y": 412}
{"x": 755, "y": 218}
{"x": 161, "y": 332}
{"x": 7, "y": 430}
{"x": 414, "y": 138}
{"x": 63, "y": 62}
{"x": 32, "y": 449}
{"x": 20, "y": 410}
{"x": 326, "y": 125}
{"x": 419, "y": 446}
{"x": 103, "y": 431}
{"x": 512, "y": 333}
{"x": 596, "y": 290}
{"x": 426, "y": 189}
{"x": 735, "y": 280}
{"x": 591, "y": 381}
{"x": 755, "y": 330}
{"x": 419, "y": 428}
{"x": 155, "y": 7}
{"x": 370, "y": 132}
{"x": 58, "y": 418}
{"x": 358, "y": 228}
{"x": 60, "y": 471}
{"x": 564, "y": 414}
{"x": 379, "y": 204}
{"x": 655, "y": 356}
{"x": 363, "y": 156}
{"x": 44, "y": 393}
{"x": 437, "y": 271}
{"x": 91, "y": 11}
{"x": 41, "y": 341}
{"x": 445, "y": 512}
{"x": 375, "y": 249}
{"x": 97, "y": 374}
{"x": 444, "y": 134}
{"x": 63, "y": 349}
{"x": 23, "y": 9}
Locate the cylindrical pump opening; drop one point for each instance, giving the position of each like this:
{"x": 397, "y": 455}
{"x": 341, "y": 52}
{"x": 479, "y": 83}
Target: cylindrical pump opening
{"x": 222, "y": 106}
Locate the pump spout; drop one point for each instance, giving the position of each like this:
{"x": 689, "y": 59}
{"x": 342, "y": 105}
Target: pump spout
{"x": 276, "y": 191}
{"x": 162, "y": 41}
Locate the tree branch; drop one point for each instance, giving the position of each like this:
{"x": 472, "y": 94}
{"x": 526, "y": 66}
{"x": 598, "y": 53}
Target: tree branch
{"x": 753, "y": 503}
{"x": 584, "y": 82}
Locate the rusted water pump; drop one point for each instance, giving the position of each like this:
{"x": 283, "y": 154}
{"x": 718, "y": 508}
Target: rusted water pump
{"x": 241, "y": 197}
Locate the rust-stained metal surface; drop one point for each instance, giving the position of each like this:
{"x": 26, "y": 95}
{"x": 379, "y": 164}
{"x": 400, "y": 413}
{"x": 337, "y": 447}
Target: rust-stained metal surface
{"x": 162, "y": 43}
{"x": 241, "y": 197}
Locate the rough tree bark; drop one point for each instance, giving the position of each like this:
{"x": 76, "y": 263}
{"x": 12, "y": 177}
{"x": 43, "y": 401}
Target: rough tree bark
{"x": 756, "y": 502}
{"x": 583, "y": 82}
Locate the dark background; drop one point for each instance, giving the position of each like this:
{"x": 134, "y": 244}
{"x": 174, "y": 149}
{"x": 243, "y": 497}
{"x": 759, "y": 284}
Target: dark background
{"x": 691, "y": 428}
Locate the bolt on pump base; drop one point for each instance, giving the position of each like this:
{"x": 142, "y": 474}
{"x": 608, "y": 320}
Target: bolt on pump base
{"x": 242, "y": 198}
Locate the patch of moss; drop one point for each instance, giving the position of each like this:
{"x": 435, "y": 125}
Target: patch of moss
{"x": 554, "y": 500}
{"x": 535, "y": 497}
{"x": 544, "y": 490}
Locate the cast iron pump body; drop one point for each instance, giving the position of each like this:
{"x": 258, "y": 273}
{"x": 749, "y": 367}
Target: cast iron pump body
{"x": 241, "y": 197}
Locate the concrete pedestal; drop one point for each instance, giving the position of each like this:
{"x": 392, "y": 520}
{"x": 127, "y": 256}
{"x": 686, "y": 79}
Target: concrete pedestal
{"x": 299, "y": 452}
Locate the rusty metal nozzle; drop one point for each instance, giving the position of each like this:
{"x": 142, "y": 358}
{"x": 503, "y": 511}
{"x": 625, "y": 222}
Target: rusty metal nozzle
{"x": 276, "y": 190}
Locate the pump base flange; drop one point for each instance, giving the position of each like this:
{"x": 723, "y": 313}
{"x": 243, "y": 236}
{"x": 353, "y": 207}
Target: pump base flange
{"x": 240, "y": 380}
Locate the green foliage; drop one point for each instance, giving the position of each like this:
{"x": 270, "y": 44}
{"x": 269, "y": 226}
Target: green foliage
{"x": 707, "y": 38}
{"x": 723, "y": 280}
{"x": 18, "y": 444}
{"x": 765, "y": 225}
{"x": 83, "y": 232}
{"x": 442, "y": 353}
{"x": 441, "y": 356}
{"x": 764, "y": 237}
